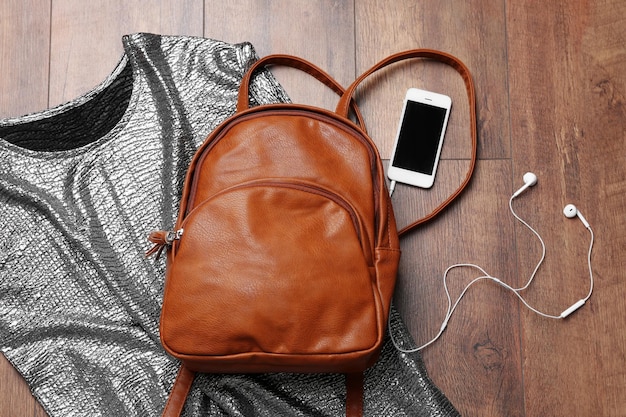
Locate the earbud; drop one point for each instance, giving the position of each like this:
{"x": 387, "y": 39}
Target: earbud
{"x": 530, "y": 179}
{"x": 570, "y": 211}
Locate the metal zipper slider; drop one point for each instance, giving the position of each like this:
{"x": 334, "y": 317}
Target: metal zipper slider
{"x": 173, "y": 235}
{"x": 161, "y": 240}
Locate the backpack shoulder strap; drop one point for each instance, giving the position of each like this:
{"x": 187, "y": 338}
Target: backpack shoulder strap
{"x": 347, "y": 98}
{"x": 354, "y": 394}
{"x": 243, "y": 100}
{"x": 178, "y": 395}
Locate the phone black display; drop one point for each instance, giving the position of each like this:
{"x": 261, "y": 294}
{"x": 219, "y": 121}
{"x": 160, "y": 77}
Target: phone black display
{"x": 420, "y": 138}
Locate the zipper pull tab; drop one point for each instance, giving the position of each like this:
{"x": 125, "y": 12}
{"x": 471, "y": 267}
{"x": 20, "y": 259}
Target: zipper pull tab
{"x": 162, "y": 239}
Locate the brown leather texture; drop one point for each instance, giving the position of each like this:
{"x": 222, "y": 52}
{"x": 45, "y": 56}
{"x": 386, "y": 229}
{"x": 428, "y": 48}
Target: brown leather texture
{"x": 290, "y": 251}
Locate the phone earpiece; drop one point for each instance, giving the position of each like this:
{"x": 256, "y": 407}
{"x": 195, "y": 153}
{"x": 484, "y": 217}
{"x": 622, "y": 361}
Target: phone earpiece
{"x": 570, "y": 211}
{"x": 530, "y": 179}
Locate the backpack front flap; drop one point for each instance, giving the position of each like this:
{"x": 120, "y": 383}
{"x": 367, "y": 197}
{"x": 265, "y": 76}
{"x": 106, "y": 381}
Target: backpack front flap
{"x": 287, "y": 251}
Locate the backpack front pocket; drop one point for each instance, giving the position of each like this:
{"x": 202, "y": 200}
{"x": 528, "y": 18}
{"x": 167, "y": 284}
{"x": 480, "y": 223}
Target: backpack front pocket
{"x": 252, "y": 270}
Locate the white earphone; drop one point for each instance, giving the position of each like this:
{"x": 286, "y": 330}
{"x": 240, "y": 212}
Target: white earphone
{"x": 530, "y": 179}
{"x": 570, "y": 211}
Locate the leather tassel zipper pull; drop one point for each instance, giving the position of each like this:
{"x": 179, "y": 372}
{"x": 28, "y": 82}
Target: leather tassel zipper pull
{"x": 161, "y": 240}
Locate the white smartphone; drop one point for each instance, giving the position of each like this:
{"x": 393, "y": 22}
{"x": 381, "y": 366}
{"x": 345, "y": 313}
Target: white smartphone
{"x": 420, "y": 136}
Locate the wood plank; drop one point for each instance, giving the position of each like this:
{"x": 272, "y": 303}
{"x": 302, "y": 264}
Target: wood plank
{"x": 15, "y": 396}
{"x": 79, "y": 61}
{"x": 25, "y": 45}
{"x": 321, "y": 32}
{"x": 567, "y": 84}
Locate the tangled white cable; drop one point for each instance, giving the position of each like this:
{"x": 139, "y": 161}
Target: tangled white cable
{"x": 570, "y": 211}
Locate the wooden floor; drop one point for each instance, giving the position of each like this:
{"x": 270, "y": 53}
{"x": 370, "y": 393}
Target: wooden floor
{"x": 551, "y": 85}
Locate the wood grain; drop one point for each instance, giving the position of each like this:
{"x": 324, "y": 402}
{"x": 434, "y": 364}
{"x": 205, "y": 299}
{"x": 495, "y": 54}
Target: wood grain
{"x": 25, "y": 45}
{"x": 574, "y": 126}
{"x": 321, "y": 32}
{"x": 551, "y": 98}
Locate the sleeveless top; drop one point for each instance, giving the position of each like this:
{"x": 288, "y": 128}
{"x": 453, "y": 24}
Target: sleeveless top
{"x": 81, "y": 186}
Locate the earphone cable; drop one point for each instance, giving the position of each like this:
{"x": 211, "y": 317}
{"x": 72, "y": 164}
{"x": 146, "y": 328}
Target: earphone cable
{"x": 589, "y": 264}
{"x": 543, "y": 246}
{"x": 516, "y": 291}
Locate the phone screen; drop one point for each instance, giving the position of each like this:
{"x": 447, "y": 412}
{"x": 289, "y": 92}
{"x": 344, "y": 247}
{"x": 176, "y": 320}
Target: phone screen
{"x": 418, "y": 140}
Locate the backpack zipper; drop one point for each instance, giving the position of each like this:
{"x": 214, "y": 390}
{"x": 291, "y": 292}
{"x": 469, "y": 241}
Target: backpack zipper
{"x": 163, "y": 239}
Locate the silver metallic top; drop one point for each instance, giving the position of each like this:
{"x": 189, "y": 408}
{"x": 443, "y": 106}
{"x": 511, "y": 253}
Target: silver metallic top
{"x": 81, "y": 186}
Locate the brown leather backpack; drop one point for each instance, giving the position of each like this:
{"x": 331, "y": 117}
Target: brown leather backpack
{"x": 285, "y": 252}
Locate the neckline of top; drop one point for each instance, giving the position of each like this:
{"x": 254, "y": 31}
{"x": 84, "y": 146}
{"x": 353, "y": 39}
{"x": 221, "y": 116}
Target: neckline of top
{"x": 130, "y": 43}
